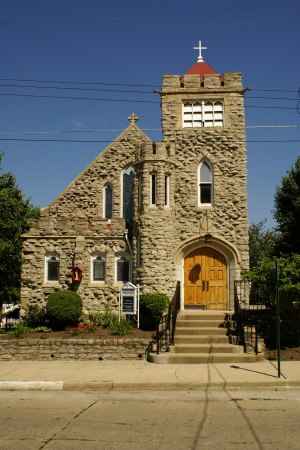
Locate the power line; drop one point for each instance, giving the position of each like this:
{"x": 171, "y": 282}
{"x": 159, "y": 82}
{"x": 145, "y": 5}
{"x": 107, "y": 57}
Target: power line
{"x": 117, "y": 84}
{"x": 120, "y": 130}
{"x": 80, "y": 82}
{"x": 76, "y": 88}
{"x": 237, "y": 16}
{"x": 79, "y": 98}
{"x": 118, "y": 100}
{"x": 116, "y": 141}
{"x": 122, "y": 90}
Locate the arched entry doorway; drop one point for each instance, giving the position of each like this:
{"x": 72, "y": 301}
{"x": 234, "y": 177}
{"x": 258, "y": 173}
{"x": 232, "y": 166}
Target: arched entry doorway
{"x": 205, "y": 279}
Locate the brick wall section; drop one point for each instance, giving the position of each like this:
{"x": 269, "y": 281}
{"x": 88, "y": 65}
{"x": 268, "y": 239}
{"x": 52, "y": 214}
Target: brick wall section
{"x": 78, "y": 349}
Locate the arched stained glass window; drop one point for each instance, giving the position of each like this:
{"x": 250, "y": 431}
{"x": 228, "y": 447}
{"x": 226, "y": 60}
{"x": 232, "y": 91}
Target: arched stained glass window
{"x": 127, "y": 185}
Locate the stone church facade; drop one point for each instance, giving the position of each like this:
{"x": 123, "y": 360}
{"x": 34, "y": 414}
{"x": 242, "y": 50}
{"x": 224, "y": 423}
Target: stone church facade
{"x": 158, "y": 214}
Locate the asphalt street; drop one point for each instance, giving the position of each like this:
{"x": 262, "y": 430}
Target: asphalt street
{"x": 151, "y": 419}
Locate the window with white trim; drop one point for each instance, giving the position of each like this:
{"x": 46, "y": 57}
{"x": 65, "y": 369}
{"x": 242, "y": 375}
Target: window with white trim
{"x": 108, "y": 201}
{"x": 52, "y": 267}
{"x": 122, "y": 268}
{"x": 205, "y": 184}
{"x": 98, "y": 268}
{"x": 202, "y": 113}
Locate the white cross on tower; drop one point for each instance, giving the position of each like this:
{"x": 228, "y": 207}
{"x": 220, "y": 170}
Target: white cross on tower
{"x": 200, "y": 57}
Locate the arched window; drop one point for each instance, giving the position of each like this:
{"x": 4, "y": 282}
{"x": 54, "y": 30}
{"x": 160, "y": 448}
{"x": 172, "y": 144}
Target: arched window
{"x": 205, "y": 184}
{"x": 108, "y": 201}
{"x": 52, "y": 267}
{"x": 127, "y": 192}
{"x": 122, "y": 267}
{"x": 98, "y": 267}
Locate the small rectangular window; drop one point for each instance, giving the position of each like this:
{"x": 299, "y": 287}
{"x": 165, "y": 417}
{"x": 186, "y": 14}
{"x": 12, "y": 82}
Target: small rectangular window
{"x": 153, "y": 189}
{"x": 205, "y": 193}
{"x": 167, "y": 190}
{"x": 53, "y": 271}
{"x": 99, "y": 271}
{"x": 123, "y": 271}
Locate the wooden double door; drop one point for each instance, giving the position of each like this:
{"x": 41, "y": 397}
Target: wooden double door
{"x": 205, "y": 279}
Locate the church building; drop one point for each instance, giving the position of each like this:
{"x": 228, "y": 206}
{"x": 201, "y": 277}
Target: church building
{"x": 158, "y": 214}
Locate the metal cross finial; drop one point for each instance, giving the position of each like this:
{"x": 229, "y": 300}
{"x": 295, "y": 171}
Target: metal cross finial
{"x": 133, "y": 118}
{"x": 200, "y": 57}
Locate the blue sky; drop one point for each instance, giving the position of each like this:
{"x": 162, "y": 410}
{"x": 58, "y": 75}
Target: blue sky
{"x": 127, "y": 54}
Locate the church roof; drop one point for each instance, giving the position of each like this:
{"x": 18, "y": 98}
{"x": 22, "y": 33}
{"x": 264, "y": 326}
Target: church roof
{"x": 202, "y": 69}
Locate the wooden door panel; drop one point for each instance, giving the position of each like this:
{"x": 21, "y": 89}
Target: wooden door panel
{"x": 205, "y": 275}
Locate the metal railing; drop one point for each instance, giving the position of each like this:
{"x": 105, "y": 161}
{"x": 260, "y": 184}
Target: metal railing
{"x": 245, "y": 324}
{"x": 165, "y": 327}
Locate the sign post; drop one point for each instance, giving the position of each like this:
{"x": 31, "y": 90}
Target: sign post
{"x": 129, "y": 300}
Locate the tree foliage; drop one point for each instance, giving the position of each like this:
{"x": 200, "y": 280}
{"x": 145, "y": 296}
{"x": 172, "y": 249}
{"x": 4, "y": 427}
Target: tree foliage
{"x": 16, "y": 217}
{"x": 261, "y": 243}
{"x": 264, "y": 275}
{"x": 287, "y": 211}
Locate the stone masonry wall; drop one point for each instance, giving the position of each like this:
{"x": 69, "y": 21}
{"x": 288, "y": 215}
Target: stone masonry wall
{"x": 78, "y": 349}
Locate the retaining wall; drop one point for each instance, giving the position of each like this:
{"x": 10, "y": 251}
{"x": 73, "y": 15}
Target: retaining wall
{"x": 77, "y": 349}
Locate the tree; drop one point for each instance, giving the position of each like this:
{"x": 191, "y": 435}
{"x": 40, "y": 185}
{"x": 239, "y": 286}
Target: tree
{"x": 261, "y": 243}
{"x": 16, "y": 217}
{"x": 263, "y": 279}
{"x": 287, "y": 211}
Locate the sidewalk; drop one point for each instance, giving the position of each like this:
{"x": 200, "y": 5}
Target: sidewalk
{"x": 108, "y": 375}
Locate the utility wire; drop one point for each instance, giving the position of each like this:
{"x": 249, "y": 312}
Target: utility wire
{"x": 122, "y": 129}
{"x": 121, "y": 90}
{"x": 80, "y": 82}
{"x": 116, "y": 141}
{"x": 119, "y": 100}
{"x": 76, "y": 88}
{"x": 118, "y": 84}
{"x": 237, "y": 16}
{"x": 79, "y": 98}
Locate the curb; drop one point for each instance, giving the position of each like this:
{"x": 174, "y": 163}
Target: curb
{"x": 131, "y": 385}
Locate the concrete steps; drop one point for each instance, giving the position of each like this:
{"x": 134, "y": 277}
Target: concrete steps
{"x": 201, "y": 337}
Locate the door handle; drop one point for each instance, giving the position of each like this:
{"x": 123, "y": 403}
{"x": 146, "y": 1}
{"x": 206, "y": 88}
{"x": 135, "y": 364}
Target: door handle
{"x": 203, "y": 285}
{"x": 207, "y": 285}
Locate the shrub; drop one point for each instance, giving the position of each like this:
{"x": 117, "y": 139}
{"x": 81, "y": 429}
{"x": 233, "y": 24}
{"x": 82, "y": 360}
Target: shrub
{"x": 152, "y": 307}
{"x": 103, "y": 319}
{"x": 63, "y": 309}
{"x": 122, "y": 327}
{"x": 34, "y": 316}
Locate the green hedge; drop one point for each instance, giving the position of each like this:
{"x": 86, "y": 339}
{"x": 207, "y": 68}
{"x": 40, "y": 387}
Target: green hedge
{"x": 63, "y": 309}
{"x": 152, "y": 307}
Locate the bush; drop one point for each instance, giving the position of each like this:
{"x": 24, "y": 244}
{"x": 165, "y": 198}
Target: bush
{"x": 34, "y": 316}
{"x": 103, "y": 319}
{"x": 63, "y": 309}
{"x": 152, "y": 307}
{"x": 122, "y": 327}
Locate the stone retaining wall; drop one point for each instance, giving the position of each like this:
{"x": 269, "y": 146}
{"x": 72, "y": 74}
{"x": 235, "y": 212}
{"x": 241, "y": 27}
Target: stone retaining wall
{"x": 65, "y": 349}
